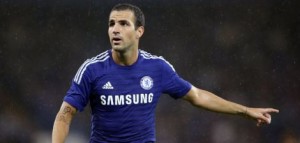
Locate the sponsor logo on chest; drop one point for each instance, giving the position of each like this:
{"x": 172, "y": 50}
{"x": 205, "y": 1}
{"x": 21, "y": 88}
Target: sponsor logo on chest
{"x": 146, "y": 83}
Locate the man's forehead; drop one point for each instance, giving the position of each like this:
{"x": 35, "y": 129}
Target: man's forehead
{"x": 121, "y": 15}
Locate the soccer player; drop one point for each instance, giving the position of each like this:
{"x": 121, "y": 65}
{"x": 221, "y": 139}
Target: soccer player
{"x": 124, "y": 83}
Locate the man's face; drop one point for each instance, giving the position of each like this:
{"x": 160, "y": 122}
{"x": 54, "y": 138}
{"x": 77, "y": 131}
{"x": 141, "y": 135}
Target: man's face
{"x": 122, "y": 33}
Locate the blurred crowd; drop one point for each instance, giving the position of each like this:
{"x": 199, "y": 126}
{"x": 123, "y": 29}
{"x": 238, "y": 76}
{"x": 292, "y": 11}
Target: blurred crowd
{"x": 246, "y": 52}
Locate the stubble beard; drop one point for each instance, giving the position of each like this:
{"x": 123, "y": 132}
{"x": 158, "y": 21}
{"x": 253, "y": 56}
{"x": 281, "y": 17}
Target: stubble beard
{"x": 122, "y": 49}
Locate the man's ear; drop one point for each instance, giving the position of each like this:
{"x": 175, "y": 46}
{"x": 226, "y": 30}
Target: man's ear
{"x": 140, "y": 32}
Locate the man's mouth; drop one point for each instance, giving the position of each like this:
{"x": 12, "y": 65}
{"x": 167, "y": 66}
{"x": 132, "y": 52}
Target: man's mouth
{"x": 116, "y": 40}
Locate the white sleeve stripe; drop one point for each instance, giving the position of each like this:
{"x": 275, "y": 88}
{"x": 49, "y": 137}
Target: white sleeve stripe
{"x": 78, "y": 72}
{"x": 150, "y": 56}
{"x": 80, "y": 77}
{"x": 168, "y": 63}
{"x": 100, "y": 58}
{"x": 85, "y": 63}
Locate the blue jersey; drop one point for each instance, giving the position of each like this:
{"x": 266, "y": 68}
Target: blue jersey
{"x": 123, "y": 98}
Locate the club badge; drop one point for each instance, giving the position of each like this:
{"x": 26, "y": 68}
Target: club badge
{"x": 146, "y": 82}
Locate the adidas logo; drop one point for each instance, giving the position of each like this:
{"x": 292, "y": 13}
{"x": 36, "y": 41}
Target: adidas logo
{"x": 107, "y": 86}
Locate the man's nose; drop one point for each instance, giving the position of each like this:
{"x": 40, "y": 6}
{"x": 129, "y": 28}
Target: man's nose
{"x": 116, "y": 29}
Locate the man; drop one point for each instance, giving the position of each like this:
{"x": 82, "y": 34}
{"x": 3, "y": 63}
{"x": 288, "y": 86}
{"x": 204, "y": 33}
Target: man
{"x": 123, "y": 86}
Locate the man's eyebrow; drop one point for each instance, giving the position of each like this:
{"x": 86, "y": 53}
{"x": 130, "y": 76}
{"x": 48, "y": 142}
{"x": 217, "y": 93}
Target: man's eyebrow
{"x": 118, "y": 21}
{"x": 123, "y": 20}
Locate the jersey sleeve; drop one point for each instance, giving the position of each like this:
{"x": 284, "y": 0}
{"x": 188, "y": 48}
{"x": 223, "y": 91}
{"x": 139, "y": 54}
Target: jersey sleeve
{"x": 173, "y": 84}
{"x": 78, "y": 93}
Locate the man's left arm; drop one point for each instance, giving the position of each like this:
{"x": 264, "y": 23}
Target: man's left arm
{"x": 207, "y": 100}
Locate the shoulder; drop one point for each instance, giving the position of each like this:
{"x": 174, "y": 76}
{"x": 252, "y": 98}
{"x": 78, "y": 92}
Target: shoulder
{"x": 156, "y": 59}
{"x": 100, "y": 58}
{"x": 91, "y": 65}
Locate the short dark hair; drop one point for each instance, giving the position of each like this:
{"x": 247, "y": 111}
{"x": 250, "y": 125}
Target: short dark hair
{"x": 139, "y": 15}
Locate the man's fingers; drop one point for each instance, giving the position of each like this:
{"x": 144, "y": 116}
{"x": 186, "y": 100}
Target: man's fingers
{"x": 268, "y": 118}
{"x": 262, "y": 115}
{"x": 259, "y": 122}
{"x": 271, "y": 110}
{"x": 264, "y": 119}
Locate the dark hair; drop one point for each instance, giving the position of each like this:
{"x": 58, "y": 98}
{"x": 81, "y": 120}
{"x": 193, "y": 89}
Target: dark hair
{"x": 139, "y": 15}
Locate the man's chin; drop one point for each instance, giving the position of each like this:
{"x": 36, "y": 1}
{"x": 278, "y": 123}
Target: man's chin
{"x": 118, "y": 49}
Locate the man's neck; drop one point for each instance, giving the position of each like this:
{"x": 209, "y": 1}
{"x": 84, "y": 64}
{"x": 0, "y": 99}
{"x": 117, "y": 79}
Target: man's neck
{"x": 125, "y": 58}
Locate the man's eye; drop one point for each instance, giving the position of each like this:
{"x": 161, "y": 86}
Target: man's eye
{"x": 124, "y": 24}
{"x": 111, "y": 24}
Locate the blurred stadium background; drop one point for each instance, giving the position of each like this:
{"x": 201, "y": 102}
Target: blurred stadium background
{"x": 244, "y": 51}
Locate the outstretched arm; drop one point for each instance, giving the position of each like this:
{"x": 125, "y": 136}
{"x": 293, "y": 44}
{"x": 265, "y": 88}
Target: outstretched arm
{"x": 62, "y": 123}
{"x": 207, "y": 100}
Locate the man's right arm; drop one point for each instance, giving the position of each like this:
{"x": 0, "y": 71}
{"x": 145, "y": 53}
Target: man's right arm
{"x": 62, "y": 123}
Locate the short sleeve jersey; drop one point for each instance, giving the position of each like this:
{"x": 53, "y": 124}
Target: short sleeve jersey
{"x": 123, "y": 98}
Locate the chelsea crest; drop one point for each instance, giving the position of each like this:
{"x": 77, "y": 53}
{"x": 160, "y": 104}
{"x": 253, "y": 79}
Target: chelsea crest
{"x": 146, "y": 82}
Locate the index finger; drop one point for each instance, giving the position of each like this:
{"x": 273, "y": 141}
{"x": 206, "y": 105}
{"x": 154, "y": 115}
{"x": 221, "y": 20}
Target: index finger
{"x": 272, "y": 110}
